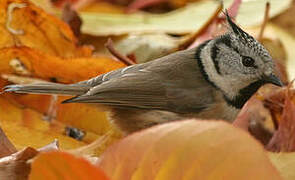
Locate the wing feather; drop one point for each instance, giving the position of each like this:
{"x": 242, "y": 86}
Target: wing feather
{"x": 172, "y": 83}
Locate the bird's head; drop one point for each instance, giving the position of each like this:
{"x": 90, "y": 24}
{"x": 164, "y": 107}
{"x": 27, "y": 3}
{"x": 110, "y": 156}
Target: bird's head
{"x": 237, "y": 63}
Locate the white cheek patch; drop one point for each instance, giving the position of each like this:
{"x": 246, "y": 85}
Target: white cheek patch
{"x": 227, "y": 83}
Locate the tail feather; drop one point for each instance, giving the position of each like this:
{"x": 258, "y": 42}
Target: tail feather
{"x": 48, "y": 88}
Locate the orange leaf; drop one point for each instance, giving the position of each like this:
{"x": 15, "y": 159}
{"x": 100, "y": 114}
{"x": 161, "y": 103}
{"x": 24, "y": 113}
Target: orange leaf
{"x": 83, "y": 116}
{"x": 24, "y": 24}
{"x": 188, "y": 150}
{"x": 61, "y": 165}
{"x": 49, "y": 67}
{"x": 25, "y": 127}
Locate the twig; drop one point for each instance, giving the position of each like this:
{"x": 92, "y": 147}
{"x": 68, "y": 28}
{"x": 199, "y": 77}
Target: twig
{"x": 265, "y": 20}
{"x": 110, "y": 46}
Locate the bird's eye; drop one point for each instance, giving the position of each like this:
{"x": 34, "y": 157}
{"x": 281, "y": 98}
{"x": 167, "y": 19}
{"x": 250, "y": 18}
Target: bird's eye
{"x": 247, "y": 61}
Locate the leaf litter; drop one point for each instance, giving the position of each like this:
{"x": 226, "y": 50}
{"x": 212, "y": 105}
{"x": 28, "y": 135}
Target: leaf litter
{"x": 29, "y": 57}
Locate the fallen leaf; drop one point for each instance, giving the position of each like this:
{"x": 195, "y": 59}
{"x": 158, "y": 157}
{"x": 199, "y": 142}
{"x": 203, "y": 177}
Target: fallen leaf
{"x": 46, "y": 5}
{"x": 24, "y": 24}
{"x": 25, "y": 127}
{"x": 41, "y": 65}
{"x": 175, "y": 22}
{"x": 285, "y": 20}
{"x": 15, "y": 166}
{"x": 284, "y": 139}
{"x": 6, "y": 147}
{"x": 147, "y": 47}
{"x": 189, "y": 149}
{"x": 84, "y": 116}
{"x": 140, "y": 4}
{"x": 101, "y": 7}
{"x": 71, "y": 17}
{"x": 255, "y": 119}
{"x": 61, "y": 165}
{"x": 288, "y": 41}
{"x": 285, "y": 163}
{"x": 251, "y": 13}
{"x": 96, "y": 147}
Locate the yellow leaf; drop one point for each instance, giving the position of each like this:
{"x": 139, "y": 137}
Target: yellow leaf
{"x": 181, "y": 21}
{"x": 25, "y": 127}
{"x": 285, "y": 163}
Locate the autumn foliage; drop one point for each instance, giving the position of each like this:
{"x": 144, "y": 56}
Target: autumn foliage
{"x": 42, "y": 41}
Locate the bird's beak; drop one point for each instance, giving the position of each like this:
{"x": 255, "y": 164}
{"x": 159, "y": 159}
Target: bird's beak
{"x": 273, "y": 79}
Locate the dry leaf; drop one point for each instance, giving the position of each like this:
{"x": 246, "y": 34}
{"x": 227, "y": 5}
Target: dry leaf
{"x": 84, "y": 116}
{"x": 188, "y": 150}
{"x": 254, "y": 118}
{"x": 147, "y": 47}
{"x": 24, "y": 24}
{"x": 61, "y": 165}
{"x": 286, "y": 19}
{"x": 20, "y": 60}
{"x": 6, "y": 147}
{"x": 25, "y": 127}
{"x": 71, "y": 17}
{"x": 284, "y": 139}
{"x": 285, "y": 163}
{"x": 99, "y": 6}
{"x": 288, "y": 42}
{"x": 140, "y": 4}
{"x": 175, "y": 22}
{"x": 15, "y": 166}
{"x": 251, "y": 13}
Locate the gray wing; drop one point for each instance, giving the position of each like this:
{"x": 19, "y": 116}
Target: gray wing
{"x": 172, "y": 83}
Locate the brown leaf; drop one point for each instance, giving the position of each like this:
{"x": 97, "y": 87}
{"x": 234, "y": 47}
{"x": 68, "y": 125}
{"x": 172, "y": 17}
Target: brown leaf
{"x": 15, "y": 166}
{"x": 6, "y": 147}
{"x": 252, "y": 118}
{"x": 140, "y": 4}
{"x": 72, "y": 18}
{"x": 284, "y": 137}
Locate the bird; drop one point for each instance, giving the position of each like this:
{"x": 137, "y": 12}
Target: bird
{"x": 211, "y": 81}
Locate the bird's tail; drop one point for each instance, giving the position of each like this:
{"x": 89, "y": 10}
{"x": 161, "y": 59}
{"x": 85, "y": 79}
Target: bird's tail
{"x": 48, "y": 88}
